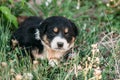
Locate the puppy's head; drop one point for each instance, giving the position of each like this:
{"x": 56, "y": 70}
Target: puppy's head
{"x": 58, "y": 33}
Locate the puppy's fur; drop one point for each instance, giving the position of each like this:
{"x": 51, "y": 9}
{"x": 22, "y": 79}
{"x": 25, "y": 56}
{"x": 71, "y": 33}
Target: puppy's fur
{"x": 50, "y": 38}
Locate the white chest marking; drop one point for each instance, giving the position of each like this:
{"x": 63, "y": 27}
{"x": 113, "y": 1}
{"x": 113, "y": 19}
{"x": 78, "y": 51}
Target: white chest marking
{"x": 37, "y": 34}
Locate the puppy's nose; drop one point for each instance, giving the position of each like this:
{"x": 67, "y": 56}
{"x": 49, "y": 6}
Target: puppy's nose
{"x": 60, "y": 44}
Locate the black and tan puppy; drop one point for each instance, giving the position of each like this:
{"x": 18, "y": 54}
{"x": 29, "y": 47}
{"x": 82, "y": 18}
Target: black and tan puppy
{"x": 50, "y": 38}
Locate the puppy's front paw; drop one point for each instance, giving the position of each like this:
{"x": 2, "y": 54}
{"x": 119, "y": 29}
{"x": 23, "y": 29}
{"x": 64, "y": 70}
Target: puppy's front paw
{"x": 53, "y": 62}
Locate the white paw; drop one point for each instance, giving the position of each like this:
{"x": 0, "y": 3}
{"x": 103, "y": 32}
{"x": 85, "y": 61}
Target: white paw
{"x": 53, "y": 62}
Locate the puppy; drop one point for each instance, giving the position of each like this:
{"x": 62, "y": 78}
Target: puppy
{"x": 50, "y": 38}
{"x": 26, "y": 37}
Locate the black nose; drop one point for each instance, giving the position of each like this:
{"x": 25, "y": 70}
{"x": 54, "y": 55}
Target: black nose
{"x": 60, "y": 44}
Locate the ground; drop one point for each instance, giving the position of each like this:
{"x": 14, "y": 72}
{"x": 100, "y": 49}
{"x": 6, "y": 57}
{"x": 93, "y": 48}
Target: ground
{"x": 95, "y": 55}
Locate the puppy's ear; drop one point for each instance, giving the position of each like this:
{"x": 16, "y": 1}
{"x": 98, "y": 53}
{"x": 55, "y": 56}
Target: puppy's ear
{"x": 43, "y": 27}
{"x": 74, "y": 28}
{"x": 31, "y": 30}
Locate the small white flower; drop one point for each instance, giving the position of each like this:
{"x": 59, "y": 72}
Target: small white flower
{"x": 53, "y": 62}
{"x": 89, "y": 58}
{"x": 111, "y": 0}
{"x": 94, "y": 46}
{"x": 48, "y": 2}
{"x": 28, "y": 76}
{"x": 79, "y": 67}
{"x": 77, "y": 7}
{"x": 107, "y": 4}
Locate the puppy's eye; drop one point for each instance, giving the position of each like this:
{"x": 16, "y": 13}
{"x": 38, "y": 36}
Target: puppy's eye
{"x": 66, "y": 34}
{"x": 55, "y": 33}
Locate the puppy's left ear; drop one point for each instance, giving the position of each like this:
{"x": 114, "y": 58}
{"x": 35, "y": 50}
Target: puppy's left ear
{"x": 74, "y": 28}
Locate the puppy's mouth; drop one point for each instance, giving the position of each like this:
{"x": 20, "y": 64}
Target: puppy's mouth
{"x": 59, "y": 48}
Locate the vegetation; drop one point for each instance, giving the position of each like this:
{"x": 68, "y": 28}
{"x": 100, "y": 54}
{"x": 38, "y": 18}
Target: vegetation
{"x": 96, "y": 53}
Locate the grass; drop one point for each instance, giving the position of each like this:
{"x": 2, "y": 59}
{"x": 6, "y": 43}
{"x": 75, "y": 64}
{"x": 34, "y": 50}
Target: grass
{"x": 97, "y": 46}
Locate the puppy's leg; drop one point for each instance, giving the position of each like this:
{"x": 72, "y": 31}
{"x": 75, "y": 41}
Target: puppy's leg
{"x": 14, "y": 43}
{"x": 37, "y": 55}
{"x": 53, "y": 62}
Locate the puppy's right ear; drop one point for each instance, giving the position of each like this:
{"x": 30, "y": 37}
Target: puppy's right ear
{"x": 43, "y": 27}
{"x": 75, "y": 29}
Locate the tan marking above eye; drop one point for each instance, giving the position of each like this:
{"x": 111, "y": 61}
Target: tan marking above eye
{"x": 66, "y": 30}
{"x": 55, "y": 29}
